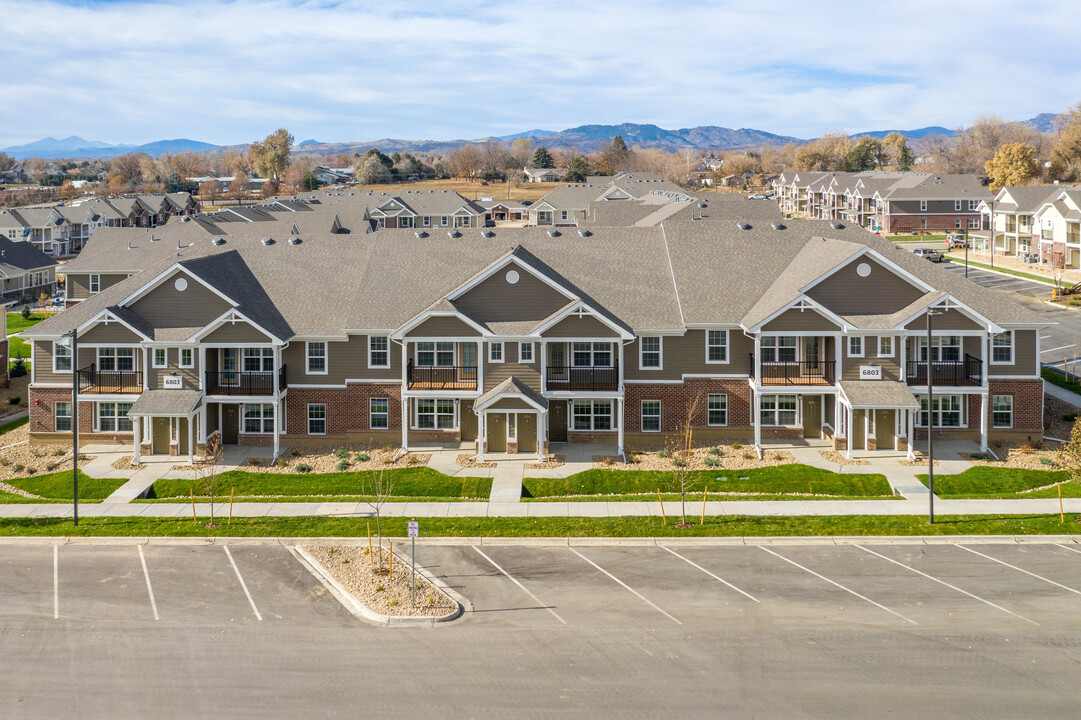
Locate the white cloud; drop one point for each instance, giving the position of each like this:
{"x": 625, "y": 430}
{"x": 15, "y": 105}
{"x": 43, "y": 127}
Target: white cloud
{"x": 230, "y": 72}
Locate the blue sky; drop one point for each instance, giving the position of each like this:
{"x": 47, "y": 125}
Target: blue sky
{"x": 231, "y": 72}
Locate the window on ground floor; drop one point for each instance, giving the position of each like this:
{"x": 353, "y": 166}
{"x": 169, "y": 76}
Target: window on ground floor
{"x": 778, "y": 410}
{"x": 113, "y": 417}
{"x": 651, "y": 416}
{"x": 435, "y": 414}
{"x": 62, "y": 417}
{"x": 258, "y": 419}
{"x": 1002, "y": 411}
{"x": 946, "y": 410}
{"x": 592, "y": 414}
{"x": 717, "y": 409}
{"x": 317, "y": 419}
{"x": 379, "y": 413}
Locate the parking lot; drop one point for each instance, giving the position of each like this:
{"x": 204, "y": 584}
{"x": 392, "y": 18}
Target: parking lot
{"x": 847, "y": 630}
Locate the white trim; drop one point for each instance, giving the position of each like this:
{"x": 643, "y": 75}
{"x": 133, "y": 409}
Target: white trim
{"x": 581, "y": 309}
{"x": 154, "y": 357}
{"x": 163, "y": 276}
{"x": 532, "y": 353}
{"x": 324, "y": 418}
{"x": 502, "y": 352}
{"x": 71, "y": 357}
{"x": 503, "y": 396}
{"x": 400, "y": 333}
{"x": 1013, "y": 348}
{"x": 893, "y": 346}
{"x": 659, "y": 351}
{"x": 232, "y": 316}
{"x": 725, "y": 423}
{"x": 387, "y": 351}
{"x": 801, "y": 303}
{"x": 180, "y": 358}
{"x": 642, "y": 416}
{"x": 727, "y": 354}
{"x": 308, "y": 357}
{"x": 371, "y": 413}
{"x": 501, "y": 263}
{"x": 106, "y": 317}
{"x": 848, "y": 346}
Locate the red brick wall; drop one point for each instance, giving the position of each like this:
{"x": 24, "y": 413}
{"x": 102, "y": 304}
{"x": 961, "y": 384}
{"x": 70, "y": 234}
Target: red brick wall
{"x": 1027, "y": 403}
{"x": 42, "y": 425}
{"x": 347, "y": 408}
{"x": 676, "y": 400}
{"x": 904, "y": 223}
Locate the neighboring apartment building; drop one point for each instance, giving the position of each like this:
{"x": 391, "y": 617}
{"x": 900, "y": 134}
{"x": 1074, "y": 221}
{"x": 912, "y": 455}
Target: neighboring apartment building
{"x": 885, "y": 202}
{"x": 518, "y": 339}
{"x": 541, "y": 175}
{"x": 1056, "y": 225}
{"x": 26, "y": 273}
{"x": 566, "y": 205}
{"x": 425, "y": 209}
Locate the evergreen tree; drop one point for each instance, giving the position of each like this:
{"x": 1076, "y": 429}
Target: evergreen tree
{"x": 542, "y": 158}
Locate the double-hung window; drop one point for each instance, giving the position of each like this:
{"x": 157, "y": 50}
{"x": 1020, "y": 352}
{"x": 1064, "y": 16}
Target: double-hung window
{"x": 651, "y": 416}
{"x": 317, "y": 419}
{"x": 113, "y": 417}
{"x": 159, "y": 358}
{"x": 435, "y": 414}
{"x": 1002, "y": 411}
{"x": 957, "y": 206}
{"x": 1002, "y": 348}
{"x": 944, "y": 348}
{"x": 592, "y": 414}
{"x": 717, "y": 409}
{"x": 716, "y": 346}
{"x": 378, "y": 351}
{"x": 585, "y": 354}
{"x": 258, "y": 419}
{"x": 946, "y": 411}
{"x": 885, "y": 346}
{"x": 317, "y": 358}
{"x": 778, "y": 348}
{"x": 187, "y": 358}
{"x": 855, "y": 347}
{"x": 61, "y": 358}
{"x": 435, "y": 353}
{"x": 495, "y": 352}
{"x": 116, "y": 359}
{"x": 525, "y": 352}
{"x": 62, "y": 417}
{"x": 95, "y": 284}
{"x": 923, "y": 205}
{"x": 778, "y": 410}
{"x": 378, "y": 413}
{"x": 258, "y": 360}
{"x": 650, "y": 358}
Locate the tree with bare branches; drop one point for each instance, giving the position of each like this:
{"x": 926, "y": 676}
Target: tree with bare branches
{"x": 378, "y": 487}
{"x": 682, "y": 448}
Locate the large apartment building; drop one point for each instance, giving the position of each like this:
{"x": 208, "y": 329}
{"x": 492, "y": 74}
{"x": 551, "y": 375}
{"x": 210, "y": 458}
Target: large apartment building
{"x": 517, "y": 340}
{"x": 885, "y": 202}
{"x": 1039, "y": 222}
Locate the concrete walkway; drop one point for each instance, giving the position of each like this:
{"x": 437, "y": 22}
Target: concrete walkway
{"x": 1062, "y": 394}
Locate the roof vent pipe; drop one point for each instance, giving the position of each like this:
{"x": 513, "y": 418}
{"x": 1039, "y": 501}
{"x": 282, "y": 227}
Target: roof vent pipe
{"x": 554, "y": 233}
{"x": 294, "y": 240}
{"x": 744, "y": 226}
{"x": 778, "y": 225}
{"x": 837, "y": 225}
{"x": 267, "y": 241}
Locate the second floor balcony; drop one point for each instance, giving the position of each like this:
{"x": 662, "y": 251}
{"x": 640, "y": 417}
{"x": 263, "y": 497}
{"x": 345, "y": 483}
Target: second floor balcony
{"x": 235, "y": 382}
{"x": 589, "y": 378}
{"x": 795, "y": 372}
{"x": 93, "y": 381}
{"x": 967, "y": 371}
{"x": 441, "y": 377}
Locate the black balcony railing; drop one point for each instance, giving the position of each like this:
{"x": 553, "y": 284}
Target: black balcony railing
{"x": 796, "y": 372}
{"x": 968, "y": 371}
{"x": 588, "y": 378}
{"x": 441, "y": 377}
{"x": 245, "y": 383}
{"x": 110, "y": 382}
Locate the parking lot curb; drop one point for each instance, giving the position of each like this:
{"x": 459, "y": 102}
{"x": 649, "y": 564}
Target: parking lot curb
{"x": 362, "y": 611}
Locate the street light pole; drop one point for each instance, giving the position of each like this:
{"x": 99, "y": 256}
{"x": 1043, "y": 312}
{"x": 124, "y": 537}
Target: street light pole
{"x": 966, "y": 252}
{"x": 930, "y": 426}
{"x": 75, "y": 423}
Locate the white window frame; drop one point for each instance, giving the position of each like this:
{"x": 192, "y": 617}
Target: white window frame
{"x": 427, "y": 222}
{"x": 261, "y": 355}
{"x": 1008, "y": 401}
{"x": 973, "y": 223}
{"x": 57, "y": 416}
{"x": 435, "y": 350}
{"x": 263, "y": 419}
{"x": 593, "y": 349}
{"x": 885, "y": 352}
{"x": 190, "y": 363}
{"x": 710, "y": 409}
{"x": 923, "y": 206}
{"x": 308, "y": 357}
{"x": 723, "y": 345}
{"x": 154, "y": 358}
{"x": 435, "y": 413}
{"x": 593, "y": 415}
{"x": 502, "y": 355}
{"x": 962, "y": 403}
{"x": 61, "y": 352}
{"x": 522, "y": 352}
{"x": 770, "y": 410}
{"x": 372, "y": 351}
{"x": 856, "y": 339}
{"x": 115, "y": 357}
{"x": 937, "y": 346}
{"x": 94, "y": 283}
{"x": 994, "y": 338}
{"x": 116, "y": 418}
{"x": 957, "y": 206}
{"x": 322, "y": 419}
{"x": 659, "y": 351}
{"x": 652, "y": 415}
{"x": 971, "y": 204}
{"x": 373, "y": 413}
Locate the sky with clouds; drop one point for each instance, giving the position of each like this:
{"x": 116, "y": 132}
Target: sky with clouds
{"x": 231, "y": 72}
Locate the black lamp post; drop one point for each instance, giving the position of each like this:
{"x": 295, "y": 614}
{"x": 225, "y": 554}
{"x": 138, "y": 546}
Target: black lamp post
{"x": 930, "y": 425}
{"x": 74, "y": 340}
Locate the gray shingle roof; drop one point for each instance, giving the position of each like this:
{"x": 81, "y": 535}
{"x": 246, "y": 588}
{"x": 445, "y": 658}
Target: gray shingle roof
{"x": 878, "y": 394}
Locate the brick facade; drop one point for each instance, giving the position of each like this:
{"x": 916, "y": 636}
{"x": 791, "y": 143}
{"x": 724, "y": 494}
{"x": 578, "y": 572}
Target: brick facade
{"x": 944, "y": 222}
{"x": 42, "y": 419}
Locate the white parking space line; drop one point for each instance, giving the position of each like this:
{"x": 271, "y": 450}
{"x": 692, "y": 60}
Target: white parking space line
{"x": 628, "y": 587}
{"x": 149, "y": 589}
{"x": 707, "y": 572}
{"x": 837, "y": 584}
{"x": 952, "y": 587}
{"x": 243, "y": 584}
{"x": 56, "y": 584}
{"x": 1075, "y": 550}
{"x": 1014, "y": 567}
{"x": 520, "y": 585}
{"x": 1063, "y": 347}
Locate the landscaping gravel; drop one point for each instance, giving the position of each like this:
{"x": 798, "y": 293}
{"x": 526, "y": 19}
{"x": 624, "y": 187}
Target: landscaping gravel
{"x": 350, "y": 566}
{"x": 727, "y": 457}
{"x": 327, "y": 462}
{"x": 834, "y": 456}
{"x": 17, "y": 461}
{"x": 469, "y": 461}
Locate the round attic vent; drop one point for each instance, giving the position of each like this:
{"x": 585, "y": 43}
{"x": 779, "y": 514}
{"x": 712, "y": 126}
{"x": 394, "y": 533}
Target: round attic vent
{"x": 778, "y": 225}
{"x": 218, "y": 241}
{"x": 554, "y": 233}
{"x": 863, "y": 269}
{"x": 584, "y": 233}
{"x": 181, "y": 284}
{"x": 744, "y": 226}
{"x": 837, "y": 225}
{"x": 421, "y": 234}
{"x": 512, "y": 276}
{"x": 295, "y": 240}
{"x": 267, "y": 241}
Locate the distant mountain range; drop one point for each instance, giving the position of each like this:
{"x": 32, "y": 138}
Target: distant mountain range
{"x": 586, "y": 138}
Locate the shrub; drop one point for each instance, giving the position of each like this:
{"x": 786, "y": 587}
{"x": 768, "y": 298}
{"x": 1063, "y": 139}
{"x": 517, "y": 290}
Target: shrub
{"x": 5, "y": 460}
{"x": 14, "y": 400}
{"x": 412, "y": 460}
{"x": 341, "y": 454}
{"x": 59, "y": 451}
{"x": 386, "y": 449}
{"x": 714, "y": 451}
{"x": 608, "y": 460}
{"x": 282, "y": 462}
{"x": 711, "y": 462}
{"x": 362, "y": 457}
{"x": 1070, "y": 417}
{"x": 31, "y": 471}
{"x": 749, "y": 455}
{"x": 1044, "y": 460}
{"x": 19, "y": 368}
{"x": 664, "y": 453}
{"x": 18, "y": 467}
{"x": 255, "y": 462}
{"x": 303, "y": 468}
{"x": 342, "y": 465}
{"x": 52, "y": 466}
{"x": 737, "y": 445}
{"x": 378, "y": 587}
{"x": 394, "y": 602}
{"x": 979, "y": 456}
{"x": 679, "y": 462}
{"x": 26, "y": 312}
{"x": 295, "y": 453}
{"x": 1025, "y": 449}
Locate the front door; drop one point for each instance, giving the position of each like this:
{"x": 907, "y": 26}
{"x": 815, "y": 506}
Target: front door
{"x": 230, "y": 424}
{"x": 812, "y": 416}
{"x": 527, "y": 432}
{"x": 557, "y": 421}
{"x": 160, "y": 443}
{"x": 468, "y": 420}
{"x": 884, "y": 429}
{"x": 497, "y": 432}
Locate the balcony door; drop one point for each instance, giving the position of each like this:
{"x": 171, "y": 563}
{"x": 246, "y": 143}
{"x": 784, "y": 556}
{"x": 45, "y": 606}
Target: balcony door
{"x": 229, "y": 375}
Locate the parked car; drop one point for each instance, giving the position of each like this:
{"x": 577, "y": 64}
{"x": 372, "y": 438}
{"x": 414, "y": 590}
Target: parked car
{"x": 928, "y": 254}
{"x": 758, "y": 196}
{"x": 957, "y": 242}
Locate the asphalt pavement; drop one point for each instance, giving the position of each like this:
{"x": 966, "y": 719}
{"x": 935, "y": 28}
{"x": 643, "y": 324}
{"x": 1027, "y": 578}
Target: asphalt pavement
{"x": 703, "y": 629}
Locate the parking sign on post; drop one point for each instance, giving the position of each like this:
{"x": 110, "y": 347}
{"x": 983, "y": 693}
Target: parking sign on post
{"x": 414, "y": 530}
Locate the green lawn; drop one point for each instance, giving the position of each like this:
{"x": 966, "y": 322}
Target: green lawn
{"x": 724, "y": 526}
{"x": 1057, "y": 378}
{"x": 782, "y": 482}
{"x": 993, "y": 482}
{"x": 56, "y": 487}
{"x": 408, "y": 484}
{"x": 16, "y": 324}
{"x": 14, "y": 424}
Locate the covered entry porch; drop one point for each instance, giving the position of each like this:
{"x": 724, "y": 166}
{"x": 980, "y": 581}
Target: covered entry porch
{"x": 167, "y": 419}
{"x": 512, "y": 419}
{"x": 875, "y": 415}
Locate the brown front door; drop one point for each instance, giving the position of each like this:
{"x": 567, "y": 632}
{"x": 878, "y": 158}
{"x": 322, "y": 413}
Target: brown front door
{"x": 468, "y": 420}
{"x": 857, "y": 428}
{"x": 812, "y": 416}
{"x": 884, "y": 429}
{"x": 160, "y": 444}
{"x": 497, "y": 432}
{"x": 230, "y": 424}
{"x": 527, "y": 432}
{"x": 557, "y": 421}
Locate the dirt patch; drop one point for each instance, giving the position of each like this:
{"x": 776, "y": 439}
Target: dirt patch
{"x": 837, "y": 457}
{"x": 552, "y": 462}
{"x": 721, "y": 457}
{"x": 469, "y": 461}
{"x": 389, "y": 595}
{"x": 346, "y": 459}
{"x": 124, "y": 463}
{"x": 25, "y": 459}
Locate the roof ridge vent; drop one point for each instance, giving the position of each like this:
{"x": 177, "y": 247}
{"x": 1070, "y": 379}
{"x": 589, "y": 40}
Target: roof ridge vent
{"x": 584, "y": 232}
{"x": 744, "y": 226}
{"x": 267, "y": 241}
{"x": 295, "y": 240}
{"x": 837, "y": 225}
{"x": 421, "y": 234}
{"x": 554, "y": 233}
{"x": 453, "y": 233}
{"x": 778, "y": 225}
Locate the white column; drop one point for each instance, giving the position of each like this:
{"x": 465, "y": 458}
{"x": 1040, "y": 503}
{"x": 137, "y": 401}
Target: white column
{"x": 984, "y": 398}
{"x": 619, "y": 424}
{"x": 481, "y": 359}
{"x": 543, "y": 360}
{"x": 756, "y": 415}
{"x": 405, "y": 424}
{"x": 904, "y": 358}
{"x": 542, "y": 418}
{"x": 277, "y": 403}
{"x": 136, "y": 427}
{"x": 191, "y": 438}
{"x": 911, "y": 433}
{"x": 482, "y": 434}
{"x": 848, "y": 435}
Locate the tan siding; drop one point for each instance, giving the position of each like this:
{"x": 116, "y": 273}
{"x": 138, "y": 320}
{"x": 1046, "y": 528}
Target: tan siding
{"x": 799, "y": 321}
{"x": 497, "y": 300}
{"x": 575, "y": 326}
{"x": 686, "y": 354}
{"x": 167, "y": 307}
{"x": 1024, "y": 356}
{"x": 881, "y": 292}
{"x": 78, "y": 285}
{"x": 111, "y": 333}
{"x": 495, "y": 373}
{"x": 850, "y": 366}
{"x": 345, "y": 360}
{"x": 511, "y": 404}
{"x": 155, "y": 378}
{"x": 43, "y": 362}
{"x": 949, "y": 320}
{"x": 240, "y": 332}
{"x": 443, "y": 327}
